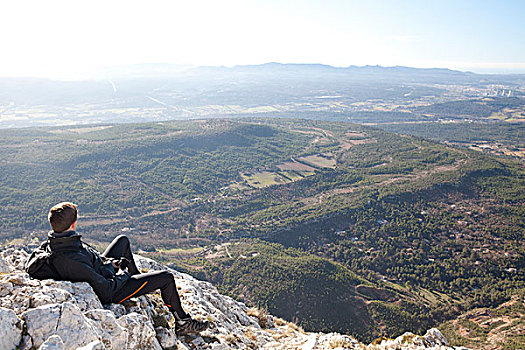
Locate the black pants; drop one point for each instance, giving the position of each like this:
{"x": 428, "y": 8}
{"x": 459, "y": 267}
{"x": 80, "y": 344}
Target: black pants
{"x": 144, "y": 283}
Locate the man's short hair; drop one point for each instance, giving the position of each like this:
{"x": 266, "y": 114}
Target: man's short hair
{"x": 62, "y": 216}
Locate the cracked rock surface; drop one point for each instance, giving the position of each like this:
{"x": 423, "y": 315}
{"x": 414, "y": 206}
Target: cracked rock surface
{"x": 64, "y": 315}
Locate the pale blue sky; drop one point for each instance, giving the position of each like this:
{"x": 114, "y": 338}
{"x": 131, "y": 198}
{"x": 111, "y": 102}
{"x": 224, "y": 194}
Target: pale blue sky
{"x": 64, "y": 38}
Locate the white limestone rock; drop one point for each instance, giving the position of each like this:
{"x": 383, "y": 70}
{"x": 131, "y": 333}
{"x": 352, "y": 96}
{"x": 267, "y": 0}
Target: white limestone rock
{"x": 15, "y": 259}
{"x": 6, "y": 288}
{"x": 74, "y": 328}
{"x": 54, "y": 342}
{"x": 141, "y": 334}
{"x": 4, "y": 266}
{"x": 166, "y": 337}
{"x": 65, "y": 320}
{"x": 433, "y": 337}
{"x": 95, "y": 345}
{"x": 49, "y": 295}
{"x": 20, "y": 292}
{"x": 117, "y": 309}
{"x": 10, "y": 329}
{"x": 41, "y": 322}
{"x": 113, "y": 335}
{"x": 81, "y": 292}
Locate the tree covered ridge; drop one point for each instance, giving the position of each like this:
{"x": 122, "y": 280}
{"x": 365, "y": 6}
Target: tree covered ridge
{"x": 428, "y": 229}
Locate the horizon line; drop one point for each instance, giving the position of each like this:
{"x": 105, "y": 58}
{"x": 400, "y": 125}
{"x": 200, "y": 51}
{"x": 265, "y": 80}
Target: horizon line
{"x": 492, "y": 68}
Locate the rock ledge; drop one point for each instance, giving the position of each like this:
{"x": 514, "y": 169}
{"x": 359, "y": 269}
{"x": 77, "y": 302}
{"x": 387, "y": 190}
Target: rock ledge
{"x": 64, "y": 315}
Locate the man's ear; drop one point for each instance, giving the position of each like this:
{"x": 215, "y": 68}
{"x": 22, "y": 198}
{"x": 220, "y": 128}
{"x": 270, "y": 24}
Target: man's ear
{"x": 72, "y": 227}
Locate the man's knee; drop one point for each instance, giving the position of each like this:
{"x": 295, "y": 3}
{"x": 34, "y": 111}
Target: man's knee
{"x": 122, "y": 238}
{"x": 166, "y": 276}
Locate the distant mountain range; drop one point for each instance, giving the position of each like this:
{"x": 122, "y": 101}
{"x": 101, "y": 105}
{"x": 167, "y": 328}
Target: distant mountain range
{"x": 165, "y": 70}
{"x": 281, "y": 70}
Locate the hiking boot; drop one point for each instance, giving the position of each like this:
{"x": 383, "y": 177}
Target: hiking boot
{"x": 189, "y": 325}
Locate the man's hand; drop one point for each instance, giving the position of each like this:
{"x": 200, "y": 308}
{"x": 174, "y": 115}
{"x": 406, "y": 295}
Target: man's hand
{"x": 121, "y": 263}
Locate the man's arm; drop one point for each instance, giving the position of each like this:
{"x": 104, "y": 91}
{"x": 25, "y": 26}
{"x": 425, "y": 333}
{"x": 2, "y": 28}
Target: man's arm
{"x": 105, "y": 288}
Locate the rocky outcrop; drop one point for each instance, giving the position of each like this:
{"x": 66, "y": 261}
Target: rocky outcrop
{"x": 10, "y": 329}
{"x": 64, "y": 315}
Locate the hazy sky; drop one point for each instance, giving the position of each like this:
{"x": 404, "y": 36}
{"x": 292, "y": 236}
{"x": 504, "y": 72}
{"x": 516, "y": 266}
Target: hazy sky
{"x": 66, "y": 38}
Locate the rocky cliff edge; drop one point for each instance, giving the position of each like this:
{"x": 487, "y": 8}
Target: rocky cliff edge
{"x": 64, "y": 315}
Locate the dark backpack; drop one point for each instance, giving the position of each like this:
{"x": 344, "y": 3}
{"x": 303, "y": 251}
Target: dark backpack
{"x": 39, "y": 265}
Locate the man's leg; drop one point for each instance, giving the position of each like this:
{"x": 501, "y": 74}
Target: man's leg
{"x": 148, "y": 282}
{"x": 120, "y": 247}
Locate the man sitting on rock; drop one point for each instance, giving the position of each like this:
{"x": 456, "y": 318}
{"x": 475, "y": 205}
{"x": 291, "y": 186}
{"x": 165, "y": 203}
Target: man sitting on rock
{"x": 113, "y": 275}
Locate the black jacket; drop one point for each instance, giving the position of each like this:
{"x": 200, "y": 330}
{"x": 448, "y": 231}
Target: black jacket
{"x": 77, "y": 262}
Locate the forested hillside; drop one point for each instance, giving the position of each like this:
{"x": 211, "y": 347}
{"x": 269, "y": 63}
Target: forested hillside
{"x": 340, "y": 226}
